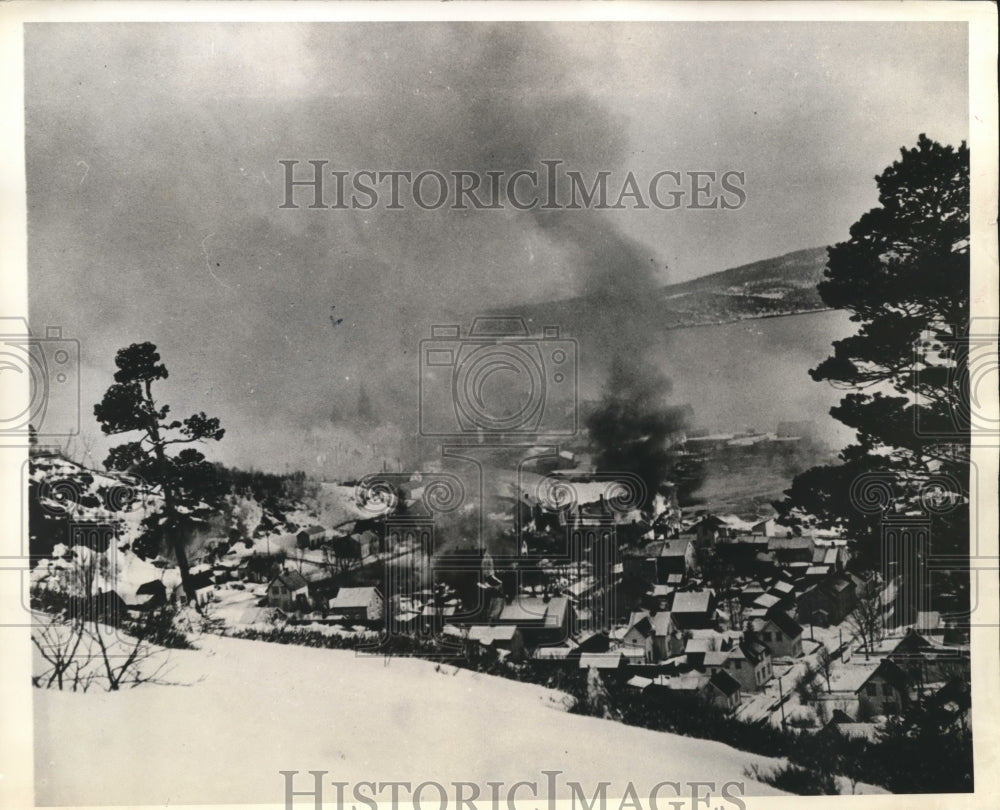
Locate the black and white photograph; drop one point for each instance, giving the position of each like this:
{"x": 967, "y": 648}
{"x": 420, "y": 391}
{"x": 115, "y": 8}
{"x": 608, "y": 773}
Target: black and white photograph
{"x": 464, "y": 406}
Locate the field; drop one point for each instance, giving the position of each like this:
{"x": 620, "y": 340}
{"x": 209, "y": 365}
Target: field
{"x": 250, "y": 709}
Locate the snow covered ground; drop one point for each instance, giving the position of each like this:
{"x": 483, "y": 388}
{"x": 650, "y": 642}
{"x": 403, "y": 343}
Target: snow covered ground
{"x": 249, "y": 709}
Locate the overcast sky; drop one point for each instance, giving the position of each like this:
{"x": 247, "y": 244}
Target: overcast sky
{"x": 154, "y": 183}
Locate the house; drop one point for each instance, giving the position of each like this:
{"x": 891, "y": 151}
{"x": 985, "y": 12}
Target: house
{"x": 650, "y": 637}
{"x": 658, "y": 597}
{"x": 310, "y": 537}
{"x": 495, "y": 638}
{"x": 602, "y": 662}
{"x": 951, "y": 704}
{"x": 781, "y": 633}
{"x": 791, "y": 549}
{"x": 827, "y": 602}
{"x": 715, "y": 660}
{"x": 673, "y": 557}
{"x": 841, "y": 725}
{"x": 749, "y": 662}
{"x": 834, "y": 556}
{"x": 667, "y": 638}
{"x": 639, "y": 683}
{"x": 661, "y": 559}
{"x": 358, "y": 604}
{"x": 151, "y": 594}
{"x": 106, "y": 607}
{"x": 364, "y": 544}
{"x": 694, "y": 651}
{"x": 693, "y": 609}
{"x": 287, "y": 590}
{"x": 926, "y": 661}
{"x": 817, "y": 573}
{"x": 785, "y": 590}
{"x": 555, "y": 654}
{"x": 767, "y": 602}
{"x": 886, "y": 690}
{"x": 723, "y": 690}
{"x": 639, "y": 637}
{"x": 204, "y": 587}
{"x": 764, "y": 527}
{"x": 691, "y": 683}
{"x": 708, "y": 531}
{"x": 594, "y": 641}
{"x": 541, "y": 619}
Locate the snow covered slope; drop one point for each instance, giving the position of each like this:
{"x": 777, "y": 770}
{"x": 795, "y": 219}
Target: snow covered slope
{"x": 259, "y": 708}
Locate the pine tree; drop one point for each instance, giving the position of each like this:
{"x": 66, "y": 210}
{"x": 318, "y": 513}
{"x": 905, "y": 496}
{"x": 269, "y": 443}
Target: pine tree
{"x": 188, "y": 483}
{"x": 904, "y": 277}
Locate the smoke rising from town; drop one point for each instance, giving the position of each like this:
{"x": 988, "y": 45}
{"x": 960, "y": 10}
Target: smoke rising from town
{"x": 156, "y": 180}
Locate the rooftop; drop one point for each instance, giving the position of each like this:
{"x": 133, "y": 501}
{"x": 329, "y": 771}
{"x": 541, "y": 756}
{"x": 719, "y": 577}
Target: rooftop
{"x": 292, "y": 580}
{"x": 691, "y": 602}
{"x": 353, "y": 598}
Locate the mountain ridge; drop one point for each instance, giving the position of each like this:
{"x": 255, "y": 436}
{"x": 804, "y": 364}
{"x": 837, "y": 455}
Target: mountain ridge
{"x": 781, "y": 285}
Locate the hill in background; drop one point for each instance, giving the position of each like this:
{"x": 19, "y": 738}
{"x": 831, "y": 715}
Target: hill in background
{"x": 782, "y": 285}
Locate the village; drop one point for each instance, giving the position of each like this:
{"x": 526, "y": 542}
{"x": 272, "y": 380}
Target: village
{"x": 766, "y": 625}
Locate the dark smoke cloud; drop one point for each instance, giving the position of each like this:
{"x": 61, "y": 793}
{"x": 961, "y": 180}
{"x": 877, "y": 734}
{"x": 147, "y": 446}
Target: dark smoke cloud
{"x": 154, "y": 185}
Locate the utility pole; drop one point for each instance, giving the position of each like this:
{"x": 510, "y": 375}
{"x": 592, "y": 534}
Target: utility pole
{"x": 781, "y": 699}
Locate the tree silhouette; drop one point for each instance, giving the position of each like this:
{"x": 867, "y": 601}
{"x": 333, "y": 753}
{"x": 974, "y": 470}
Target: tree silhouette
{"x": 188, "y": 483}
{"x": 904, "y": 277}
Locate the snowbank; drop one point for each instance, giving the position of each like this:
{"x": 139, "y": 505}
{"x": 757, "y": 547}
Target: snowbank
{"x": 250, "y": 709}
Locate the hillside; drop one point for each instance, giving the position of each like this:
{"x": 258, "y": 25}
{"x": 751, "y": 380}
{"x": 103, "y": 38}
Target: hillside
{"x": 266, "y": 707}
{"x": 778, "y": 286}
{"x": 67, "y": 501}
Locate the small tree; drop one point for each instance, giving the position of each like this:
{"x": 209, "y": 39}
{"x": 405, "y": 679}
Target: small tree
{"x": 84, "y": 636}
{"x": 824, "y": 664}
{"x": 866, "y": 620}
{"x": 185, "y": 480}
{"x": 807, "y": 687}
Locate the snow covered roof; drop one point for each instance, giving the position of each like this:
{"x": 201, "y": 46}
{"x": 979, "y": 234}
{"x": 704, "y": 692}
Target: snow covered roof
{"x": 689, "y": 681}
{"x": 487, "y": 635}
{"x": 557, "y": 653}
{"x": 292, "y": 580}
{"x": 724, "y": 682}
{"x": 691, "y": 601}
{"x": 605, "y": 660}
{"x": 789, "y": 543}
{"x": 353, "y": 598}
{"x": 661, "y": 622}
